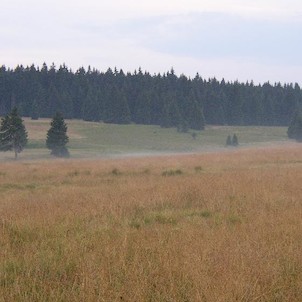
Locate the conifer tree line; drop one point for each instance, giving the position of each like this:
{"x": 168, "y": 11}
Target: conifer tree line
{"x": 139, "y": 97}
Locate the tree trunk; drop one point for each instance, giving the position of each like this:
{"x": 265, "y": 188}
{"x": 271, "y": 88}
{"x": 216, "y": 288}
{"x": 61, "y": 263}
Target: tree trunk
{"x": 16, "y": 154}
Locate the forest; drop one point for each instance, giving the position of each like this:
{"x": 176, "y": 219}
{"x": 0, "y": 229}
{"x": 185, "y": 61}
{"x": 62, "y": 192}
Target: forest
{"x": 165, "y": 99}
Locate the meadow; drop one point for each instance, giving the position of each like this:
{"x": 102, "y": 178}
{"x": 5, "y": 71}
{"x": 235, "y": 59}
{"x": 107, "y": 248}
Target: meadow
{"x": 95, "y": 140}
{"x": 219, "y": 226}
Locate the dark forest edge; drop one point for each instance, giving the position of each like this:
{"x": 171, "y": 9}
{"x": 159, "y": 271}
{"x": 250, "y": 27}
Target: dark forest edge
{"x": 139, "y": 97}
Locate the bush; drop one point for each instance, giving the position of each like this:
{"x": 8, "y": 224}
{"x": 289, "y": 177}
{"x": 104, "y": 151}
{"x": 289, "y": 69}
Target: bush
{"x": 172, "y": 172}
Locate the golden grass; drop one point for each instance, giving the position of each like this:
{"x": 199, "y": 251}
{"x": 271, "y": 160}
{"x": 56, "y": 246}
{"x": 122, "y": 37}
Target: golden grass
{"x": 227, "y": 227}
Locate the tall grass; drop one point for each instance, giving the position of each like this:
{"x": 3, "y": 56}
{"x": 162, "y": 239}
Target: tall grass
{"x": 77, "y": 231}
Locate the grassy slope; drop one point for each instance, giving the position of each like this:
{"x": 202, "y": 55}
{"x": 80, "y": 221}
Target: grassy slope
{"x": 98, "y": 139}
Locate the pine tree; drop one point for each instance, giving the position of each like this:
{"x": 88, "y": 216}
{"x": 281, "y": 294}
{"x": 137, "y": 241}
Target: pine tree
{"x": 53, "y": 100}
{"x": 183, "y": 126}
{"x": 122, "y": 112}
{"x": 170, "y": 115}
{"x": 57, "y": 137}
{"x": 229, "y": 141}
{"x": 35, "y": 110}
{"x": 13, "y": 135}
{"x": 142, "y": 110}
{"x": 193, "y": 112}
{"x": 295, "y": 128}
{"x": 91, "y": 106}
{"x": 235, "y": 140}
{"x": 116, "y": 109}
{"x": 235, "y": 103}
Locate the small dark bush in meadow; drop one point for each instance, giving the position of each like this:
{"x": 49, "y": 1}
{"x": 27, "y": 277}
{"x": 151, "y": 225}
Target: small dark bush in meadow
{"x": 146, "y": 171}
{"x": 172, "y": 172}
{"x": 135, "y": 224}
{"x": 206, "y": 214}
{"x": 194, "y": 135}
{"x": 116, "y": 171}
{"x": 183, "y": 127}
{"x": 234, "y": 219}
{"x": 74, "y": 173}
{"x": 198, "y": 169}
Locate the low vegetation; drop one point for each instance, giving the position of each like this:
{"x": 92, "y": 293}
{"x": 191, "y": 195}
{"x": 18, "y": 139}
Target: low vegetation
{"x": 227, "y": 228}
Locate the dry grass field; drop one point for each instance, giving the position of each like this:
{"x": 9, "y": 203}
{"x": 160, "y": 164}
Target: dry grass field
{"x": 209, "y": 227}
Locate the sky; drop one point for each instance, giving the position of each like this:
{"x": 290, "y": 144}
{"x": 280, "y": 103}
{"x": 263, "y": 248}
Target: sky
{"x": 236, "y": 40}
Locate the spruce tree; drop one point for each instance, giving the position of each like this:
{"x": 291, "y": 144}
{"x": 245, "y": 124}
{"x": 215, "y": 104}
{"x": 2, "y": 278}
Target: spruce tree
{"x": 183, "y": 126}
{"x": 91, "y": 106}
{"x": 235, "y": 140}
{"x": 122, "y": 115}
{"x": 193, "y": 112}
{"x": 35, "y": 110}
{"x": 295, "y": 128}
{"x": 229, "y": 141}
{"x": 57, "y": 137}
{"x": 13, "y": 135}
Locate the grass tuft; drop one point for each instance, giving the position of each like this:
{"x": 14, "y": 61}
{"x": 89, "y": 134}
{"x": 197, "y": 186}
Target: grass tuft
{"x": 116, "y": 172}
{"x": 198, "y": 169}
{"x": 172, "y": 172}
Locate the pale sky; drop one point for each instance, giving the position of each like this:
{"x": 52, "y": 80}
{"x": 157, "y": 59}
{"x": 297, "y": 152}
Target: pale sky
{"x": 245, "y": 40}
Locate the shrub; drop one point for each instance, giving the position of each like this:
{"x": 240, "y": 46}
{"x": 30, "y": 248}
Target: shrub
{"x": 172, "y": 172}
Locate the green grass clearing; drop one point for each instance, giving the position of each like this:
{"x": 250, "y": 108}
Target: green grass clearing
{"x": 91, "y": 139}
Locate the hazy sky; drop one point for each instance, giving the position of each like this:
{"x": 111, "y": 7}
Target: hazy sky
{"x": 244, "y": 40}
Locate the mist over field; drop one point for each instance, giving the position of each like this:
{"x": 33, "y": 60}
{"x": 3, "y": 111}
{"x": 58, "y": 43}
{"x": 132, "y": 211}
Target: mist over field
{"x": 100, "y": 140}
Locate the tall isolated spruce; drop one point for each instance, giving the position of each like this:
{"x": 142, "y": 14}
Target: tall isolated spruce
{"x": 57, "y": 137}
{"x": 228, "y": 141}
{"x": 13, "y": 135}
{"x": 295, "y": 128}
{"x": 235, "y": 142}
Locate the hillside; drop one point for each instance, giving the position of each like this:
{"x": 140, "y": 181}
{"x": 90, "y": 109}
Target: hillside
{"x": 93, "y": 139}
